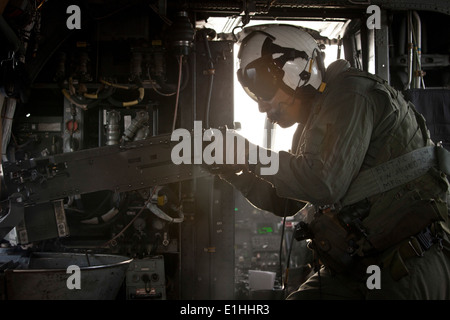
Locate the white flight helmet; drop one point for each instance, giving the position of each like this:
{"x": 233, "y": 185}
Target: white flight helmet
{"x": 279, "y": 56}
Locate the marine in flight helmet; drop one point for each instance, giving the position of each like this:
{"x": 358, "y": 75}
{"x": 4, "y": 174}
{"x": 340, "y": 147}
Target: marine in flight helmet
{"x": 279, "y": 56}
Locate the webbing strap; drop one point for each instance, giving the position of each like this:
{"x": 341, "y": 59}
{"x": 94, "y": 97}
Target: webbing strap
{"x": 391, "y": 174}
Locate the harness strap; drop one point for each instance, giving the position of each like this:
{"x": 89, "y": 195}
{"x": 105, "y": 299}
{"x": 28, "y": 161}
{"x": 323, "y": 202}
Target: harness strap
{"x": 391, "y": 174}
{"x": 400, "y": 170}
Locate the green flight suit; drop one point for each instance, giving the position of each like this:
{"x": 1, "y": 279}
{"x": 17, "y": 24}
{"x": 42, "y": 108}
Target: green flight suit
{"x": 358, "y": 123}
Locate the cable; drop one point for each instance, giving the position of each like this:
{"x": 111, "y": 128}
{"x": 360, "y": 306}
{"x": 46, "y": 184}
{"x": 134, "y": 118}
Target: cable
{"x": 152, "y": 82}
{"x": 126, "y": 104}
{"x": 281, "y": 252}
{"x": 210, "y": 72}
{"x": 109, "y": 242}
{"x": 288, "y": 261}
{"x": 163, "y": 17}
{"x": 180, "y": 64}
{"x": 73, "y": 100}
{"x": 281, "y": 242}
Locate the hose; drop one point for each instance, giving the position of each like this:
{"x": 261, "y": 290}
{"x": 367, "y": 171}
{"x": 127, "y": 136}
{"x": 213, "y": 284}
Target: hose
{"x": 88, "y": 100}
{"x": 104, "y": 218}
{"x": 162, "y": 215}
{"x": 126, "y": 104}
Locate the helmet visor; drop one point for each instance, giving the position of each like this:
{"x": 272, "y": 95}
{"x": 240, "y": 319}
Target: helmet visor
{"x": 261, "y": 78}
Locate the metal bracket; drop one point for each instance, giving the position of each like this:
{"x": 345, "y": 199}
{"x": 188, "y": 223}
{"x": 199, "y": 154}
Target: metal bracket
{"x": 14, "y": 215}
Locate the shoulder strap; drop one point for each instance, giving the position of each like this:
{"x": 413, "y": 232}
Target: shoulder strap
{"x": 391, "y": 174}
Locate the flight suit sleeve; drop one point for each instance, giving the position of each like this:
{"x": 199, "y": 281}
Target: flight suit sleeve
{"x": 332, "y": 150}
{"x": 262, "y": 194}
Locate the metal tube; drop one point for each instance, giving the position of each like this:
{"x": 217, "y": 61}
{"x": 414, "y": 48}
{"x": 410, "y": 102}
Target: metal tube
{"x": 410, "y": 50}
{"x": 418, "y": 48}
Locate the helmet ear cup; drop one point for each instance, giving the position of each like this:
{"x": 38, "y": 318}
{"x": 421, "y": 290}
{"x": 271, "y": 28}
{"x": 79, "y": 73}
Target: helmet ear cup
{"x": 305, "y": 75}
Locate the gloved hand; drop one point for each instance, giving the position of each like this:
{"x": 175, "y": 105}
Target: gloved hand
{"x": 228, "y": 151}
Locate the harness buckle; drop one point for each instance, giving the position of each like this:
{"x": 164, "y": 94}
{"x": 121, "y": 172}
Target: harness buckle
{"x": 426, "y": 238}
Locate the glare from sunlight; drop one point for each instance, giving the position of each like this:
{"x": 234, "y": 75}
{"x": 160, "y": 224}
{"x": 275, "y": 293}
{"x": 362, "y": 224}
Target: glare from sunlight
{"x": 246, "y": 112}
{"x": 252, "y": 121}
